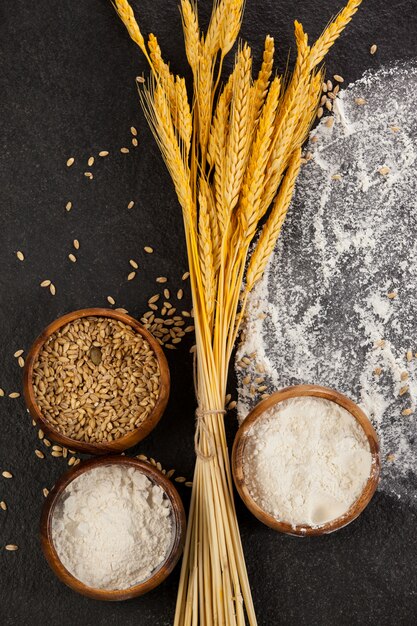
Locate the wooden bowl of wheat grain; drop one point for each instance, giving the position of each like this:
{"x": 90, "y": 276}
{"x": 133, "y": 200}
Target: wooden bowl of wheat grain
{"x": 142, "y": 413}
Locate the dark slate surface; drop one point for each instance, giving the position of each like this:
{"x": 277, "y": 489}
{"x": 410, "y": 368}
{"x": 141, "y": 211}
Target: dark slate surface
{"x": 67, "y": 88}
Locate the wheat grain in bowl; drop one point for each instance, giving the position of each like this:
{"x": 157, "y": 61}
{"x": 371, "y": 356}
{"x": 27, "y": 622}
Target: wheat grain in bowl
{"x": 95, "y": 379}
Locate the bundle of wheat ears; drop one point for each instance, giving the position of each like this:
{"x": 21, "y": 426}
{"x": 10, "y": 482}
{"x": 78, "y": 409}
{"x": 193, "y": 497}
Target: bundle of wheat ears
{"x": 233, "y": 151}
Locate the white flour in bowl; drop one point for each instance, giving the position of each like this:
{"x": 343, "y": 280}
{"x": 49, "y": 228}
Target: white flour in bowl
{"x": 322, "y": 313}
{"x": 306, "y": 461}
{"x": 112, "y": 527}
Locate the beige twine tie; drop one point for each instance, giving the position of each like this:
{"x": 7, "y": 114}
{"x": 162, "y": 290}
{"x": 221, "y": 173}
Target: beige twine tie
{"x": 201, "y": 426}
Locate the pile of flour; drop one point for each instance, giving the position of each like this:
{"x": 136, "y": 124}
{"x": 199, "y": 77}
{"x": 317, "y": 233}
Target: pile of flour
{"x": 112, "y": 527}
{"x": 322, "y": 313}
{"x": 306, "y": 461}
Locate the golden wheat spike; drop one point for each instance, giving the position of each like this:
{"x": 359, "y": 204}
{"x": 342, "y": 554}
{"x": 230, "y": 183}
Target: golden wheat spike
{"x": 157, "y": 111}
{"x": 191, "y": 32}
{"x": 272, "y": 228}
{"x": 176, "y": 93}
{"x": 261, "y": 84}
{"x": 290, "y": 112}
{"x": 217, "y": 150}
{"x": 183, "y": 119}
{"x": 162, "y": 70}
{"x": 230, "y": 26}
{"x": 332, "y": 32}
{"x": 205, "y": 253}
{"x": 206, "y": 190}
{"x": 309, "y": 113}
{"x": 249, "y": 208}
{"x": 212, "y": 39}
{"x": 125, "y": 12}
{"x": 204, "y": 84}
{"x": 240, "y": 132}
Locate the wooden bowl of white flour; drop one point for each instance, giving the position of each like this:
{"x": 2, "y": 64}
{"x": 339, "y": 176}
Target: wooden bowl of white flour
{"x": 113, "y": 528}
{"x": 306, "y": 460}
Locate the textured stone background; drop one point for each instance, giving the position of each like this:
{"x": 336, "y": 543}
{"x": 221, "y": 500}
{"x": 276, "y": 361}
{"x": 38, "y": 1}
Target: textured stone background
{"x": 67, "y": 89}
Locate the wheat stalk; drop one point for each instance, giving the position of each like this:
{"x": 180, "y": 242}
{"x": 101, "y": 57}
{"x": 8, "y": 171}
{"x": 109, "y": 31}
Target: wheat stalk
{"x": 158, "y": 114}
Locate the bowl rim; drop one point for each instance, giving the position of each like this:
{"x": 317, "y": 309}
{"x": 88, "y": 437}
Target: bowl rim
{"x": 165, "y": 567}
{"x": 238, "y": 451}
{"x": 132, "y": 437}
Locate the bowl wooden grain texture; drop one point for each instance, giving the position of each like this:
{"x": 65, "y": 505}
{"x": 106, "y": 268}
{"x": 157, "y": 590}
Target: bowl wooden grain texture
{"x": 239, "y": 448}
{"x": 159, "y": 575}
{"x": 132, "y": 437}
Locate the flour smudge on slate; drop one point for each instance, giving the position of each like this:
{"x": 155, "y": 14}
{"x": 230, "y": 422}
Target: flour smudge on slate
{"x": 346, "y": 245}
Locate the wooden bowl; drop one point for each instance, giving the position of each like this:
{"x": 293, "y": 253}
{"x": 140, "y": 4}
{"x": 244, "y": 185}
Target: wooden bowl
{"x": 164, "y": 569}
{"x": 132, "y": 437}
{"x": 239, "y": 448}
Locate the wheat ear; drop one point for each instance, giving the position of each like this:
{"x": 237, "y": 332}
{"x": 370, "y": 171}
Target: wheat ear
{"x": 272, "y": 228}
{"x": 217, "y": 150}
{"x": 332, "y": 32}
{"x": 191, "y": 32}
{"x": 252, "y": 187}
{"x": 205, "y": 253}
{"x": 125, "y": 12}
{"x": 206, "y": 190}
{"x": 204, "y": 85}
{"x": 290, "y": 111}
{"x": 240, "y": 132}
{"x": 183, "y": 118}
{"x": 231, "y": 23}
{"x": 157, "y": 111}
{"x": 261, "y": 84}
{"x": 212, "y": 40}
{"x": 309, "y": 113}
{"x": 162, "y": 70}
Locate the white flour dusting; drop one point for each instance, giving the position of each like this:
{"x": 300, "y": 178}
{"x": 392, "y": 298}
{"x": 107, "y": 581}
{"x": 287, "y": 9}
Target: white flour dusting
{"x": 322, "y": 313}
{"x": 306, "y": 461}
